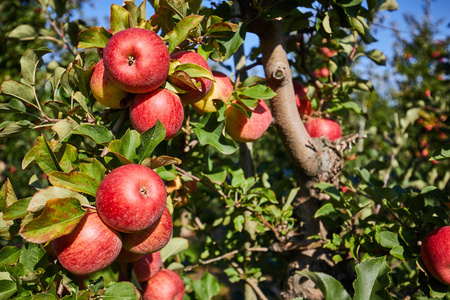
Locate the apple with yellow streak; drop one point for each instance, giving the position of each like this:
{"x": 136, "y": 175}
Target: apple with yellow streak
{"x": 221, "y": 89}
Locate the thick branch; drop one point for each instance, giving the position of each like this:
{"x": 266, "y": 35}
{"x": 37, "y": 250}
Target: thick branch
{"x": 299, "y": 144}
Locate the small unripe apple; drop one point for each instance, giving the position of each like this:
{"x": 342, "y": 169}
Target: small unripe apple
{"x": 435, "y": 253}
{"x": 160, "y": 104}
{"x": 165, "y": 285}
{"x": 131, "y": 198}
{"x": 103, "y": 90}
{"x": 317, "y": 127}
{"x": 301, "y": 99}
{"x": 205, "y": 84}
{"x": 150, "y": 239}
{"x": 221, "y": 89}
{"x": 136, "y": 60}
{"x": 243, "y": 129}
{"x": 147, "y": 267}
{"x": 90, "y": 247}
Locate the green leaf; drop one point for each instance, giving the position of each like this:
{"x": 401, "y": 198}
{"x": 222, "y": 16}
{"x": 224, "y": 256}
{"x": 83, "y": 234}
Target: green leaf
{"x": 23, "y": 32}
{"x": 69, "y": 159}
{"x": 7, "y": 195}
{"x": 9, "y": 255}
{"x": 329, "y": 189}
{"x": 325, "y": 210}
{"x": 7, "y": 289}
{"x": 326, "y": 23}
{"x": 173, "y": 247}
{"x": 119, "y": 19}
{"x": 9, "y": 127}
{"x": 60, "y": 217}
{"x": 149, "y": 140}
{"x": 388, "y": 239}
{"x": 32, "y": 257}
{"x": 94, "y": 169}
{"x": 239, "y": 223}
{"x": 389, "y": 5}
{"x": 13, "y": 106}
{"x": 40, "y": 198}
{"x": 98, "y": 133}
{"x": 258, "y": 91}
{"x": 206, "y": 288}
{"x": 292, "y": 194}
{"x": 75, "y": 181}
{"x": 16, "y": 210}
{"x": 372, "y": 280}
{"x": 30, "y": 62}
{"x": 44, "y": 156}
{"x": 328, "y": 285}
{"x": 195, "y": 71}
{"x": 210, "y": 132}
{"x": 216, "y": 176}
{"x": 441, "y": 153}
{"x": 19, "y": 90}
{"x": 121, "y": 291}
{"x": 227, "y": 45}
{"x": 182, "y": 29}
{"x": 252, "y": 80}
{"x": 351, "y": 105}
{"x": 93, "y": 37}
{"x": 377, "y": 57}
{"x": 130, "y": 141}
{"x": 160, "y": 161}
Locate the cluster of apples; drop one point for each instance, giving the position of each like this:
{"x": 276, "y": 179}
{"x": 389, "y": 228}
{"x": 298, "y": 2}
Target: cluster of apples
{"x": 134, "y": 65}
{"x": 316, "y": 127}
{"x": 131, "y": 223}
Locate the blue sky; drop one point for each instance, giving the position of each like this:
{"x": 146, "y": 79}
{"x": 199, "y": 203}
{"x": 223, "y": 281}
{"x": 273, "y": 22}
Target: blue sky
{"x": 439, "y": 10}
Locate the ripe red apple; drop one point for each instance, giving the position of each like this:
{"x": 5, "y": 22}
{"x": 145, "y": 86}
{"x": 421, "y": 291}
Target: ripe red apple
{"x": 146, "y": 109}
{"x": 301, "y": 98}
{"x": 128, "y": 257}
{"x": 427, "y": 93}
{"x": 165, "y": 285}
{"x": 243, "y": 129}
{"x": 316, "y": 127}
{"x": 435, "y": 253}
{"x": 150, "y": 239}
{"x": 90, "y": 247}
{"x": 103, "y": 90}
{"x": 147, "y": 267}
{"x": 131, "y": 198}
{"x": 136, "y": 60}
{"x": 205, "y": 84}
{"x": 221, "y": 89}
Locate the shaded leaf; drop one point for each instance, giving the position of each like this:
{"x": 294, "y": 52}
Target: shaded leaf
{"x": 19, "y": 90}
{"x": 328, "y": 285}
{"x": 7, "y": 288}
{"x": 30, "y": 62}
{"x": 206, "y": 288}
{"x": 210, "y": 132}
{"x": 9, "y": 127}
{"x": 227, "y": 45}
{"x": 441, "y": 153}
{"x": 121, "y": 291}
{"x": 23, "y": 32}
{"x": 60, "y": 217}
{"x": 9, "y": 255}
{"x": 330, "y": 190}
{"x": 372, "y": 280}
{"x": 149, "y": 140}
{"x": 161, "y": 161}
{"x": 32, "y": 257}
{"x": 377, "y": 57}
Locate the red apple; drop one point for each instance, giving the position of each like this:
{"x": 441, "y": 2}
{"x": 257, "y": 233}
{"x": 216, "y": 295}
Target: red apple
{"x": 205, "y": 84}
{"x": 136, "y": 60}
{"x": 317, "y": 127}
{"x": 435, "y": 253}
{"x": 221, "y": 89}
{"x": 146, "y": 109}
{"x": 147, "y": 267}
{"x": 103, "y": 90}
{"x": 150, "y": 239}
{"x": 131, "y": 198}
{"x": 128, "y": 257}
{"x": 301, "y": 98}
{"x": 165, "y": 285}
{"x": 427, "y": 93}
{"x": 90, "y": 247}
{"x": 243, "y": 129}
{"x": 327, "y": 52}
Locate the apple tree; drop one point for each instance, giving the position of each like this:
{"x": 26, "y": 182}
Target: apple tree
{"x": 262, "y": 207}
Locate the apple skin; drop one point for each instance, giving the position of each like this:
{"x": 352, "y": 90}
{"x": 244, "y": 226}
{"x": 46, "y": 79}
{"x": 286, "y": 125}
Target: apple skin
{"x": 136, "y": 60}
{"x": 221, "y": 89}
{"x": 147, "y": 267}
{"x": 103, "y": 90}
{"x": 131, "y": 198}
{"x": 194, "y": 58}
{"x": 243, "y": 129}
{"x": 128, "y": 257}
{"x": 316, "y": 127}
{"x": 151, "y": 239}
{"x": 146, "y": 109}
{"x": 301, "y": 99}
{"x": 435, "y": 253}
{"x": 165, "y": 285}
{"x": 90, "y": 247}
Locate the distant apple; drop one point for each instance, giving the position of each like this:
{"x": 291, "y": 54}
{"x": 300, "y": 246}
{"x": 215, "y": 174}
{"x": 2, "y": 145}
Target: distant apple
{"x": 165, "y": 285}
{"x": 317, "y": 127}
{"x": 243, "y": 129}
{"x": 435, "y": 253}
{"x": 136, "y": 60}
{"x": 146, "y": 109}
{"x": 221, "y": 89}
{"x": 103, "y": 90}
{"x": 147, "y": 267}
{"x": 150, "y": 239}
{"x": 205, "y": 84}
{"x": 322, "y": 72}
{"x": 427, "y": 93}
{"x": 131, "y": 198}
{"x": 301, "y": 99}
{"x": 327, "y": 52}
{"x": 90, "y": 247}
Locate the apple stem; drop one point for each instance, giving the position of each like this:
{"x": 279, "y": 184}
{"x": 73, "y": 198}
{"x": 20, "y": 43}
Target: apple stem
{"x": 131, "y": 60}
{"x": 144, "y": 191}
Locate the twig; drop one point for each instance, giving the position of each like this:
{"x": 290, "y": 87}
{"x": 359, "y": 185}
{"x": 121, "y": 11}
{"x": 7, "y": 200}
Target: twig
{"x": 185, "y": 173}
{"x": 250, "y": 281}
